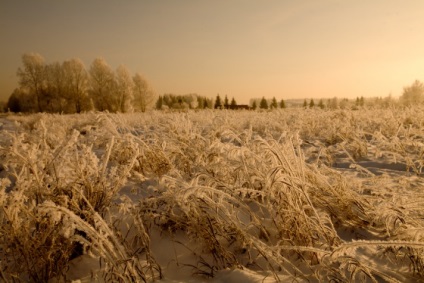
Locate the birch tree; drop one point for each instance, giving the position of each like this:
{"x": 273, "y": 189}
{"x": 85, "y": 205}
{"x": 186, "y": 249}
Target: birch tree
{"x": 143, "y": 94}
{"x": 103, "y": 85}
{"x": 76, "y": 85}
{"x": 124, "y": 89}
{"x": 56, "y": 88}
{"x": 32, "y": 76}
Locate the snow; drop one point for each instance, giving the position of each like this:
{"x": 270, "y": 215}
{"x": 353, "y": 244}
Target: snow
{"x": 304, "y": 195}
{"x": 81, "y": 269}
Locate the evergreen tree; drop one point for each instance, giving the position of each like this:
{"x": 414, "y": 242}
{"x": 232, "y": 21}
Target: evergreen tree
{"x": 274, "y": 104}
{"x": 159, "y": 102}
{"x": 282, "y": 104}
{"x": 305, "y": 104}
{"x": 254, "y": 105}
{"x": 321, "y": 104}
{"x": 233, "y": 103}
{"x": 226, "y": 104}
{"x": 263, "y": 104}
{"x": 361, "y": 101}
{"x": 218, "y": 103}
{"x": 312, "y": 104}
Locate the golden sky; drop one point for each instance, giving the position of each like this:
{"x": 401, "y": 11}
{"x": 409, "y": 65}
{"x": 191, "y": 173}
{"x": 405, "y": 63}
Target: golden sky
{"x": 240, "y": 48}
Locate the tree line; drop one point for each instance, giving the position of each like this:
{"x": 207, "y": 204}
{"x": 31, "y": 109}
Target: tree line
{"x": 68, "y": 87}
{"x": 265, "y": 104}
{"x": 195, "y": 101}
{"x": 187, "y": 101}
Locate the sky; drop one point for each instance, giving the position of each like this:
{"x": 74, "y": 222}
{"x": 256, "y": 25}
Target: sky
{"x": 239, "y": 48}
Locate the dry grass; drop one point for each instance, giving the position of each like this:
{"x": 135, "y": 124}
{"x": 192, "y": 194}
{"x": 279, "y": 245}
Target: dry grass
{"x": 264, "y": 191}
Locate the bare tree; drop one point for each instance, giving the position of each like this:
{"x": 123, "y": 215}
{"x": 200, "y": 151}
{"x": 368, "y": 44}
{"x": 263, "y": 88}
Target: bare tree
{"x": 103, "y": 85}
{"x": 33, "y": 77}
{"x": 143, "y": 94}
{"x": 274, "y": 104}
{"x": 124, "y": 89}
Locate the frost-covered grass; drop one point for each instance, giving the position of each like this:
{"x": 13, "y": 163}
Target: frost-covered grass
{"x": 304, "y": 195}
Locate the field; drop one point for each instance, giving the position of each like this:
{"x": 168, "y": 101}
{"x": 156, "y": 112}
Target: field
{"x": 300, "y": 195}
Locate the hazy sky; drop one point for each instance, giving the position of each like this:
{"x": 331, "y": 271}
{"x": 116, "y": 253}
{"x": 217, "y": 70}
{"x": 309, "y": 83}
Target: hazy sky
{"x": 242, "y": 48}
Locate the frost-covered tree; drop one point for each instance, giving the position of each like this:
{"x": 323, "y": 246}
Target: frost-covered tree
{"x": 69, "y": 88}
{"x": 56, "y": 93}
{"x": 333, "y": 103}
{"x": 32, "y": 76}
{"x": 388, "y": 101}
{"x": 76, "y": 86}
{"x": 191, "y": 100}
{"x": 103, "y": 85}
{"x": 200, "y": 102}
{"x": 144, "y": 96}
{"x": 208, "y": 102}
{"x": 413, "y": 94}
{"x": 344, "y": 103}
{"x": 124, "y": 90}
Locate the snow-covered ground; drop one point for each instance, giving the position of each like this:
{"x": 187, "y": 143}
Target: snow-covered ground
{"x": 213, "y": 196}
